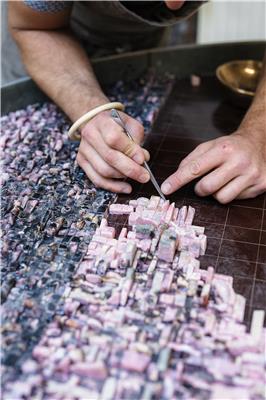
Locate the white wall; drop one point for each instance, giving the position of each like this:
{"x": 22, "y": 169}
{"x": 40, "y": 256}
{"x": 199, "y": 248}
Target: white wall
{"x": 230, "y": 21}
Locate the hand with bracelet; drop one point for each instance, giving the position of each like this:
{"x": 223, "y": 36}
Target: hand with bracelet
{"x": 108, "y": 156}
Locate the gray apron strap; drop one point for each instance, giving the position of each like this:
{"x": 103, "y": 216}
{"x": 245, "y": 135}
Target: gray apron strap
{"x": 12, "y": 67}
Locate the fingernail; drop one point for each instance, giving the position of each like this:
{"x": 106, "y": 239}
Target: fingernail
{"x": 138, "y": 159}
{"x": 144, "y": 177}
{"x": 166, "y": 188}
{"x": 127, "y": 190}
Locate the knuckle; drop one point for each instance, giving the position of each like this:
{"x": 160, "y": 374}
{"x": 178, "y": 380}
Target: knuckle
{"x": 227, "y": 147}
{"x": 222, "y": 198}
{"x": 79, "y": 158}
{"x": 177, "y": 180}
{"x": 113, "y": 138}
{"x": 106, "y": 171}
{"x": 97, "y": 181}
{"x": 195, "y": 168}
{"x": 205, "y": 188}
{"x": 255, "y": 173}
{"x": 109, "y": 156}
{"x": 244, "y": 162}
{"x": 87, "y": 133}
{"x": 130, "y": 150}
{"x": 131, "y": 172}
{"x": 139, "y": 132}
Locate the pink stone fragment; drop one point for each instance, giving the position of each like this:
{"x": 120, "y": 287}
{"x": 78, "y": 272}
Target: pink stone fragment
{"x": 153, "y": 203}
{"x": 134, "y": 361}
{"x": 203, "y": 244}
{"x": 120, "y": 209}
{"x": 145, "y": 244}
{"x": 175, "y": 214}
{"x": 132, "y": 219}
{"x": 133, "y": 203}
{"x": 92, "y": 278}
{"x": 221, "y": 392}
{"x": 103, "y": 223}
{"x": 167, "y": 298}
{"x": 168, "y": 279}
{"x": 182, "y": 216}
{"x": 41, "y": 352}
{"x": 96, "y": 370}
{"x": 131, "y": 235}
{"x": 108, "y": 232}
{"x": 114, "y": 299}
{"x": 143, "y": 201}
{"x": 123, "y": 234}
{"x": 170, "y": 213}
{"x": 165, "y": 205}
{"x": 190, "y": 215}
{"x": 170, "y": 314}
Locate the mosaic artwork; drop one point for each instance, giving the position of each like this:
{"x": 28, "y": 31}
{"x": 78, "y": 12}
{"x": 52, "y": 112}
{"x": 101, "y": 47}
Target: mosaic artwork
{"x": 49, "y": 212}
{"x": 106, "y": 298}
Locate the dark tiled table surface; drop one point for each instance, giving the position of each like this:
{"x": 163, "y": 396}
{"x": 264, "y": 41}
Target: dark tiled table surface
{"x": 236, "y": 232}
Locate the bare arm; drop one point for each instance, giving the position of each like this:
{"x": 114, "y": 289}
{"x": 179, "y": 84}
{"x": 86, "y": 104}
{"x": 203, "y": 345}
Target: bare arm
{"x": 60, "y": 66}
{"x": 54, "y": 59}
{"x": 232, "y": 166}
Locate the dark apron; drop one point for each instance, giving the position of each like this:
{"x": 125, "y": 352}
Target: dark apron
{"x": 105, "y": 28}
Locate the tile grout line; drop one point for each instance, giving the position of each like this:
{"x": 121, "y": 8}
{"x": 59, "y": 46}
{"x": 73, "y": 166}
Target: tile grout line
{"x": 257, "y": 258}
{"x": 221, "y": 241}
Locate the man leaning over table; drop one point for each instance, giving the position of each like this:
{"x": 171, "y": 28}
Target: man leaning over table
{"x": 56, "y": 40}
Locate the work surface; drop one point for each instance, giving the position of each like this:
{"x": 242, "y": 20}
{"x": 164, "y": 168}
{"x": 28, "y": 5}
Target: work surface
{"x": 236, "y": 233}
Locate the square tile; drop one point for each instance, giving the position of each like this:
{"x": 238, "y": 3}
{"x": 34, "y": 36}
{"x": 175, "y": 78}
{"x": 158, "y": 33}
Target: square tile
{"x": 214, "y": 231}
{"x": 259, "y": 297}
{"x": 241, "y": 234}
{"x": 173, "y": 158}
{"x": 262, "y": 254}
{"x": 213, "y": 246}
{"x": 177, "y": 144}
{"x": 257, "y": 202}
{"x": 264, "y": 221}
{"x": 243, "y": 286}
{"x": 208, "y": 213}
{"x": 263, "y": 238}
{"x": 162, "y": 171}
{"x": 245, "y": 217}
{"x": 239, "y": 250}
{"x": 207, "y": 261}
{"x": 228, "y": 266}
{"x": 261, "y": 272}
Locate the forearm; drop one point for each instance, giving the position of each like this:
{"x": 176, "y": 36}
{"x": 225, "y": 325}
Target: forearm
{"x": 61, "y": 68}
{"x": 254, "y": 122}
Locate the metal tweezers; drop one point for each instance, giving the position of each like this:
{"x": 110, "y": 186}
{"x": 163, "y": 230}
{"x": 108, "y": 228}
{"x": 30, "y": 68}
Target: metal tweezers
{"x": 117, "y": 118}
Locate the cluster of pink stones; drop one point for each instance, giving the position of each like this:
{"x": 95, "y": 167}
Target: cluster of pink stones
{"x": 144, "y": 321}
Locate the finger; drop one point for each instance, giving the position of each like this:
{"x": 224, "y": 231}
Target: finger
{"x": 215, "y": 180}
{"x": 135, "y": 128}
{"x": 193, "y": 169}
{"x": 147, "y": 155}
{"x": 101, "y": 182}
{"x": 174, "y": 4}
{"x": 231, "y": 190}
{"x": 116, "y": 138}
{"x": 250, "y": 193}
{"x": 116, "y": 159}
{"x": 197, "y": 152}
{"x": 101, "y": 167}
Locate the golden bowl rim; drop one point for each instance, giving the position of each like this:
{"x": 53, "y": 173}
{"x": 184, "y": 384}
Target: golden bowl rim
{"x": 232, "y": 88}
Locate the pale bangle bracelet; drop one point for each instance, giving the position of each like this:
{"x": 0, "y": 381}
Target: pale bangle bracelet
{"x": 72, "y": 133}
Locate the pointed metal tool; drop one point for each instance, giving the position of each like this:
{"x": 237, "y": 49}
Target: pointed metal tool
{"x": 117, "y": 118}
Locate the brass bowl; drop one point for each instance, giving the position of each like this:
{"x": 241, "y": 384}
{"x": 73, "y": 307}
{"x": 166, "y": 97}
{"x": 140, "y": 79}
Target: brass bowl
{"x": 241, "y": 77}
